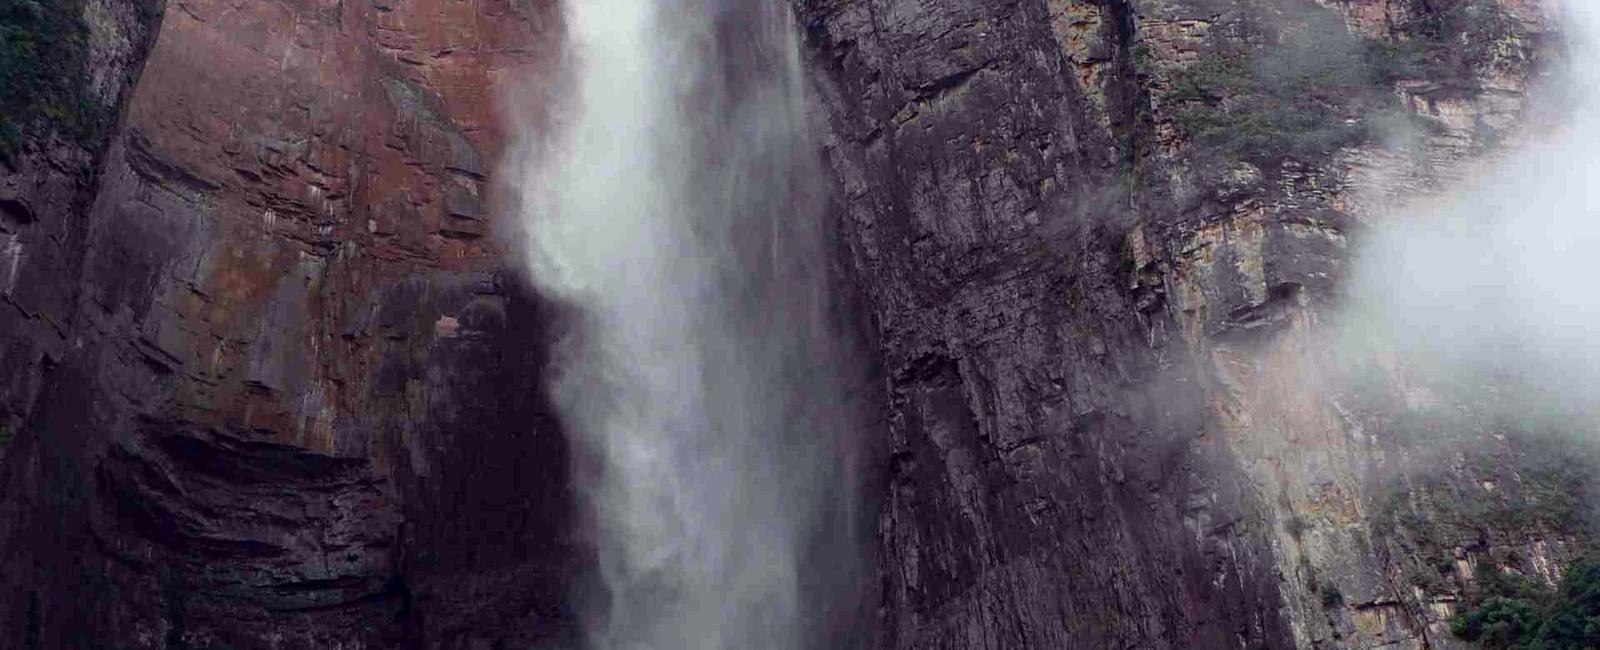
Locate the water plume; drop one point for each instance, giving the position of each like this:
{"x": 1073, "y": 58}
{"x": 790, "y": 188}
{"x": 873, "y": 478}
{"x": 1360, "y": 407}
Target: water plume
{"x": 675, "y": 207}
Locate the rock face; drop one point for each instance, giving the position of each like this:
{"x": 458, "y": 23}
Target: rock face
{"x": 1054, "y": 479}
{"x": 269, "y": 381}
{"x": 1109, "y": 417}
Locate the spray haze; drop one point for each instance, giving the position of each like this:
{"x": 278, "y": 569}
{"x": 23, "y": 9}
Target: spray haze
{"x": 674, "y": 207}
{"x": 1495, "y": 282}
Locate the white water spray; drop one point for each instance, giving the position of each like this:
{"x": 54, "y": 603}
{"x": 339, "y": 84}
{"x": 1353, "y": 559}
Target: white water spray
{"x": 1497, "y": 280}
{"x": 675, "y": 209}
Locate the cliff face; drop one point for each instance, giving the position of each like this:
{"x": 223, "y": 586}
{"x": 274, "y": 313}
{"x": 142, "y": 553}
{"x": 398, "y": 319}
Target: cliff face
{"x": 270, "y": 382}
{"x": 280, "y": 389}
{"x": 1053, "y": 478}
{"x": 1102, "y": 243}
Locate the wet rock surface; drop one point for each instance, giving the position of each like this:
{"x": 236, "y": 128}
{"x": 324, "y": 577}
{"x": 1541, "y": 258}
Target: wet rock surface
{"x": 270, "y": 380}
{"x": 1111, "y": 417}
{"x": 270, "y": 383}
{"x": 1054, "y": 476}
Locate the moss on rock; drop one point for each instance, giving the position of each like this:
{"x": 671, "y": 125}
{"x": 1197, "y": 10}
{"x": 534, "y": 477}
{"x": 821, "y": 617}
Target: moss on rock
{"x": 43, "y": 54}
{"x": 1311, "y": 86}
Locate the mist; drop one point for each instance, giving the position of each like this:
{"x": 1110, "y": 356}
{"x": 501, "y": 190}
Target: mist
{"x": 1492, "y": 284}
{"x": 673, "y": 206}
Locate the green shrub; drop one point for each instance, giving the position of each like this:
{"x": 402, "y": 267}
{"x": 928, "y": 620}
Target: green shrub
{"x": 1513, "y": 613}
{"x": 1467, "y": 33}
{"x": 42, "y": 72}
{"x": 1389, "y": 62}
{"x": 1302, "y": 103}
{"x": 1498, "y": 622}
{"x": 1329, "y": 594}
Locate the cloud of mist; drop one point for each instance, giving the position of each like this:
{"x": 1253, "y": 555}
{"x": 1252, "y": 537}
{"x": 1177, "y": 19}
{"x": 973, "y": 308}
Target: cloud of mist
{"x": 1497, "y": 282}
{"x": 673, "y": 208}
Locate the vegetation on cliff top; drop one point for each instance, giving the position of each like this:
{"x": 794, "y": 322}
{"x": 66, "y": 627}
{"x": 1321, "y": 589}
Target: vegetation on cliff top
{"x": 1461, "y": 37}
{"x": 43, "y": 44}
{"x": 1323, "y": 97}
{"x": 1319, "y": 87}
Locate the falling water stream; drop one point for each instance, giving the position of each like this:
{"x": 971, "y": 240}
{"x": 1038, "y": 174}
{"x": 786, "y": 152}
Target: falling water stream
{"x": 675, "y": 209}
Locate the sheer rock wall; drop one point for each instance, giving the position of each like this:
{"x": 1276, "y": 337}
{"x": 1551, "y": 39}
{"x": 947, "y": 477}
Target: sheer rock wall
{"x": 283, "y": 389}
{"x": 1112, "y": 413}
{"x": 271, "y": 381}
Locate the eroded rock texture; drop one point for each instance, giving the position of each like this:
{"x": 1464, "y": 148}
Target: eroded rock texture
{"x": 1111, "y": 416}
{"x": 269, "y": 382}
{"x": 1054, "y": 480}
{"x": 281, "y": 390}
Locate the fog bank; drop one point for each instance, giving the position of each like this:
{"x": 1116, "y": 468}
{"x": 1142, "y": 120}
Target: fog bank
{"x": 1495, "y": 281}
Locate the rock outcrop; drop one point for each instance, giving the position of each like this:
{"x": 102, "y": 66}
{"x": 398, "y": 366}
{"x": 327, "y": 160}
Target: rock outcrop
{"x": 269, "y": 381}
{"x": 1102, "y": 265}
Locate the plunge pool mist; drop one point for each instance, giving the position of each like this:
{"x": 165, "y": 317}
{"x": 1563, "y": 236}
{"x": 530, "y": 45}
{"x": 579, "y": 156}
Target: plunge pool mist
{"x": 675, "y": 208}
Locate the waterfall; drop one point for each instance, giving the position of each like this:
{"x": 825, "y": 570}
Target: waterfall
{"x": 674, "y": 207}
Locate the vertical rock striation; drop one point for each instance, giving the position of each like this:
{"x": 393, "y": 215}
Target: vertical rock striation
{"x": 1101, "y": 245}
{"x": 268, "y": 381}
{"x": 280, "y": 388}
{"x": 1054, "y": 478}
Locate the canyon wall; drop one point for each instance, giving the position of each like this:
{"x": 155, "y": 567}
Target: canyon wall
{"x": 282, "y": 389}
{"x": 1101, "y": 243}
{"x": 272, "y": 382}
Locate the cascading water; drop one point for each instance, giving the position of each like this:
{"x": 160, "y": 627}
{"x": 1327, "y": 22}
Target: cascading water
{"x": 674, "y": 207}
